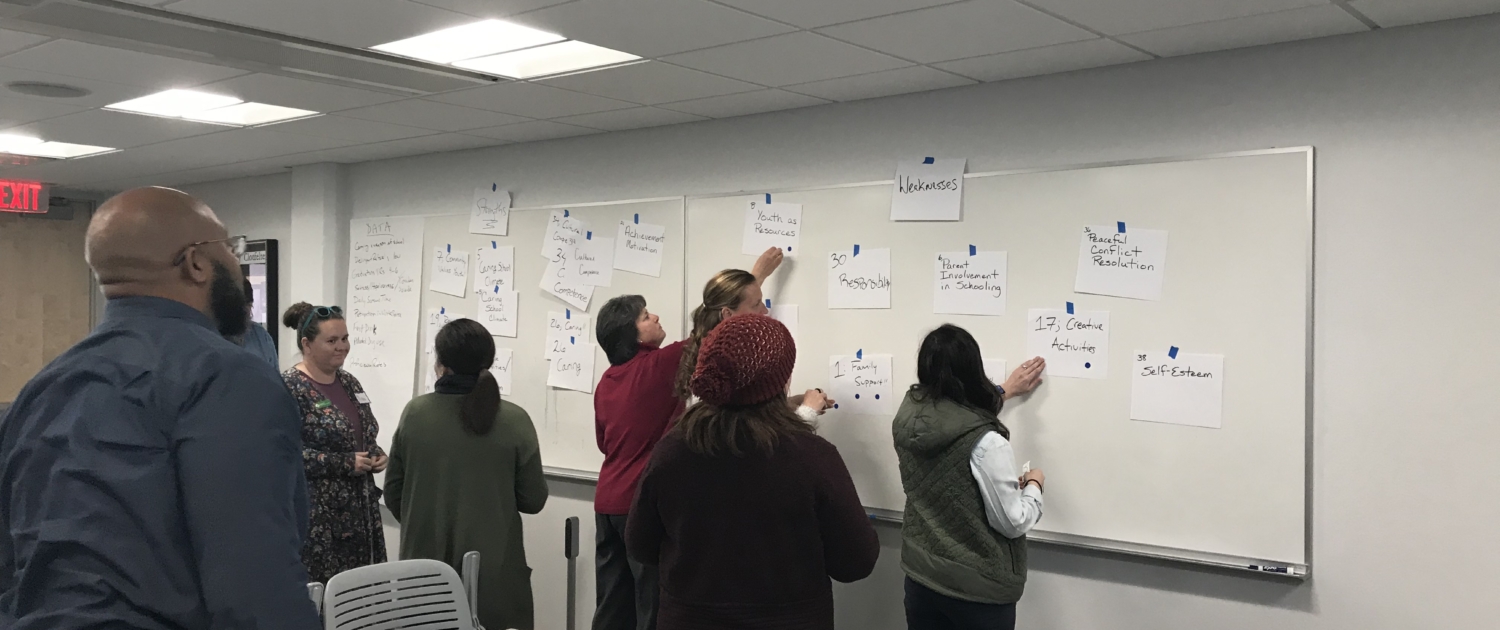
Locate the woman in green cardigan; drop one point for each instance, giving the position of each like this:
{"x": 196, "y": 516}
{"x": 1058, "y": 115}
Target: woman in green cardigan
{"x": 464, "y": 466}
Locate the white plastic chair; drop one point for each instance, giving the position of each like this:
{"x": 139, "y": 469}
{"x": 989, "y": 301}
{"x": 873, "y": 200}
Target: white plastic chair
{"x": 424, "y": 594}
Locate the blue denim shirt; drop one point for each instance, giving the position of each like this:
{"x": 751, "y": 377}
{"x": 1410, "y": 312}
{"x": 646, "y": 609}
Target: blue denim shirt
{"x": 259, "y": 343}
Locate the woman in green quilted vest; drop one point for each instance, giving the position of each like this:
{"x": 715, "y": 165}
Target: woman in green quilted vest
{"x": 968, "y": 507}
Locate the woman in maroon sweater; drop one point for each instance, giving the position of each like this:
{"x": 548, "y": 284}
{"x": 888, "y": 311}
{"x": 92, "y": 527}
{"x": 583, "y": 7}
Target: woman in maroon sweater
{"x": 746, "y": 511}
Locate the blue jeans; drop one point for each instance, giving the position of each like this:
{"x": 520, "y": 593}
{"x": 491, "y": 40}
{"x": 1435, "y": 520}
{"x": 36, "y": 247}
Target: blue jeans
{"x": 927, "y": 609}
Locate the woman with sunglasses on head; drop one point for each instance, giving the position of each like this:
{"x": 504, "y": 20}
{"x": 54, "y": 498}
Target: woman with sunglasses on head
{"x": 338, "y": 447}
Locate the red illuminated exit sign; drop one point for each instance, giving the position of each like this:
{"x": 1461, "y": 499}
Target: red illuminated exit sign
{"x": 25, "y": 197}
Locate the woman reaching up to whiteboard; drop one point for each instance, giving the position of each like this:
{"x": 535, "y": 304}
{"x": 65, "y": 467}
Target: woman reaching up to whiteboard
{"x": 964, "y": 552}
{"x": 738, "y": 292}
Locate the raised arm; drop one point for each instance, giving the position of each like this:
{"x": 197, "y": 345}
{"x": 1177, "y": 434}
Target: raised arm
{"x": 766, "y": 264}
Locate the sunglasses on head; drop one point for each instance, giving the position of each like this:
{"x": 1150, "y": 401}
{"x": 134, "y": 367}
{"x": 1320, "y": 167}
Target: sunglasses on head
{"x": 321, "y": 313}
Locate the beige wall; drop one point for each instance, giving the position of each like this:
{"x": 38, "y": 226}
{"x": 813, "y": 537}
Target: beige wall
{"x": 44, "y": 294}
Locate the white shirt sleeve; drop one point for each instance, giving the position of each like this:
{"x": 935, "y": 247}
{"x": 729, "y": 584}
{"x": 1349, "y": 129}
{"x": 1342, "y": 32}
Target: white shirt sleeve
{"x": 1009, "y": 509}
{"x": 808, "y": 414}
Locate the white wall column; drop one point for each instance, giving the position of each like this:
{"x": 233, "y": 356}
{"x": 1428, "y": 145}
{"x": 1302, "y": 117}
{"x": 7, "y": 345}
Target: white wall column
{"x": 319, "y": 229}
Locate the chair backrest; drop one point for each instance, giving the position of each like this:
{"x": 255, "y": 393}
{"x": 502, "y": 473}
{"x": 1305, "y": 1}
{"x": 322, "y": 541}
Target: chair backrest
{"x": 424, "y": 594}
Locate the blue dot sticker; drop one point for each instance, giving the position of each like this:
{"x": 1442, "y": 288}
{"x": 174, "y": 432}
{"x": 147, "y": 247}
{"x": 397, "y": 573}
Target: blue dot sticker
{"x": 1087, "y": 365}
{"x": 788, "y": 248}
{"x": 835, "y": 405}
{"x": 877, "y": 396}
{"x": 856, "y": 396}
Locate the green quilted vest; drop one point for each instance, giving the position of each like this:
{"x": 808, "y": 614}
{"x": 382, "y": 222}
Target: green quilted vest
{"x": 947, "y": 544}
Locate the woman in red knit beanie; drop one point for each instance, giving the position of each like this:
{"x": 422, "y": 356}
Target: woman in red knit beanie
{"x": 746, "y": 512}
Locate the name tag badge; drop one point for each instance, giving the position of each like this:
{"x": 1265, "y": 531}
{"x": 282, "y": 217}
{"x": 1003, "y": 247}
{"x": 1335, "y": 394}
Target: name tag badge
{"x": 363, "y": 398}
{"x": 323, "y": 404}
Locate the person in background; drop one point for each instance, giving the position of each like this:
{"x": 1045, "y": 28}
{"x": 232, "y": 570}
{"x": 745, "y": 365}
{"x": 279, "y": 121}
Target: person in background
{"x": 744, "y": 509}
{"x": 968, "y": 508}
{"x": 149, "y": 476}
{"x": 255, "y": 338}
{"x": 339, "y": 449}
{"x": 465, "y": 465}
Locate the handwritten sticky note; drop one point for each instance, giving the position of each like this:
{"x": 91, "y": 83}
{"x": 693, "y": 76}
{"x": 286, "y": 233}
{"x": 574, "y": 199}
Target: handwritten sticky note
{"x": 928, "y": 190}
{"x": 504, "y": 358}
{"x": 564, "y": 327}
{"x": 1075, "y": 346}
{"x": 859, "y": 278}
{"x": 967, "y": 284}
{"x": 995, "y": 370}
{"x": 1131, "y": 263}
{"x": 772, "y": 225}
{"x": 490, "y": 211}
{"x": 1187, "y": 390}
{"x": 594, "y": 259}
{"x": 573, "y": 368}
{"x": 638, "y": 248}
{"x": 787, "y": 315}
{"x": 862, "y": 383}
{"x": 494, "y": 265}
{"x": 561, "y": 282}
{"x": 498, "y": 312}
{"x": 563, "y": 232}
{"x": 450, "y": 271}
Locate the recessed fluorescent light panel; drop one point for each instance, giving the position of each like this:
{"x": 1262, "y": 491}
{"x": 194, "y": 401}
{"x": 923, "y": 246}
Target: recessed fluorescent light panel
{"x": 209, "y": 108}
{"x": 507, "y": 50}
{"x": 469, "y": 41}
{"x": 36, "y": 147}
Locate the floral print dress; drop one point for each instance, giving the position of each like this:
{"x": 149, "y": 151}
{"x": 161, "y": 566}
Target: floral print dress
{"x": 344, "y": 529}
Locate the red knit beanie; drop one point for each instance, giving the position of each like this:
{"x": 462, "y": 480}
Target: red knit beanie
{"x": 746, "y": 359}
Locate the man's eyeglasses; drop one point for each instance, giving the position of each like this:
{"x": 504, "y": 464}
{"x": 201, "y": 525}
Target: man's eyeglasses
{"x": 236, "y": 245}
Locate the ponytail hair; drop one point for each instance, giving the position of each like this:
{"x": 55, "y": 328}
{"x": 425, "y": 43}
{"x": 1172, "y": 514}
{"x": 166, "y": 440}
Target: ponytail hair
{"x": 724, "y": 290}
{"x": 465, "y": 347}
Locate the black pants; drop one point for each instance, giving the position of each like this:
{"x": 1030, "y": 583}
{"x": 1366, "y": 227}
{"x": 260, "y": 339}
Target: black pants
{"x": 927, "y": 609}
{"x": 626, "y": 589}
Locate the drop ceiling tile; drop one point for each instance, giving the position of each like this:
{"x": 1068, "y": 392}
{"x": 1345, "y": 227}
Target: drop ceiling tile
{"x": 12, "y": 41}
{"x": 115, "y": 129}
{"x": 102, "y": 63}
{"x": 876, "y": 84}
{"x": 651, "y": 28}
{"x": 429, "y": 115}
{"x": 19, "y": 111}
{"x": 638, "y": 118}
{"x": 1403, "y": 12}
{"x": 492, "y": 8}
{"x": 787, "y": 59}
{"x": 960, "y": 30}
{"x": 533, "y": 131}
{"x": 745, "y": 104}
{"x": 229, "y": 147}
{"x": 1037, "y": 61}
{"x": 101, "y": 93}
{"x": 531, "y": 100}
{"x": 393, "y": 149}
{"x": 357, "y": 23}
{"x": 651, "y": 83}
{"x": 351, "y": 129}
{"x": 815, "y": 13}
{"x": 299, "y": 93}
{"x": 1270, "y": 28}
{"x": 1117, "y": 17}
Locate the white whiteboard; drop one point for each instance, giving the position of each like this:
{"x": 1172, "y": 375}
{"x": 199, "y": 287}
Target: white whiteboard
{"x": 564, "y": 419}
{"x": 1238, "y": 283}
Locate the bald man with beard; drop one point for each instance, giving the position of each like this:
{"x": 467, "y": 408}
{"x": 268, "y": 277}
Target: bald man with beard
{"x": 151, "y": 477}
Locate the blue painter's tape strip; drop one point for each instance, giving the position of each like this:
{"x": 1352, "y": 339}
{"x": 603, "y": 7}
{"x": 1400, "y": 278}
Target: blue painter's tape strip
{"x": 450, "y": 248}
{"x": 637, "y": 219}
{"x": 494, "y": 187}
{"x": 768, "y": 199}
{"x": 973, "y": 250}
{"x": 856, "y": 250}
{"x": 566, "y": 214}
{"x": 589, "y": 236}
{"x": 1070, "y": 308}
{"x": 929, "y": 161}
{"x": 493, "y": 245}
{"x": 1120, "y": 226}
{"x": 768, "y": 302}
{"x": 567, "y": 313}
{"x": 860, "y": 354}
{"x": 1173, "y": 352}
{"x": 572, "y": 340}
{"x": 443, "y": 310}
{"x": 497, "y": 289}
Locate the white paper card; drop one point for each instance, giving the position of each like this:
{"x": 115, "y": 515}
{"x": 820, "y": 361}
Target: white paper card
{"x": 859, "y": 279}
{"x": 770, "y": 225}
{"x": 450, "y": 271}
{"x": 499, "y": 310}
{"x": 1128, "y": 264}
{"x": 504, "y": 358}
{"x": 573, "y": 368}
{"x": 995, "y": 370}
{"x": 970, "y": 284}
{"x": 556, "y": 281}
{"x": 565, "y": 327}
{"x": 928, "y": 192}
{"x": 1186, "y": 390}
{"x": 861, "y": 383}
{"x": 594, "y": 258}
{"x": 787, "y": 315}
{"x": 436, "y": 319}
{"x": 495, "y": 266}
{"x": 490, "y": 211}
{"x": 563, "y": 231}
{"x": 1075, "y": 346}
{"x": 638, "y": 248}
